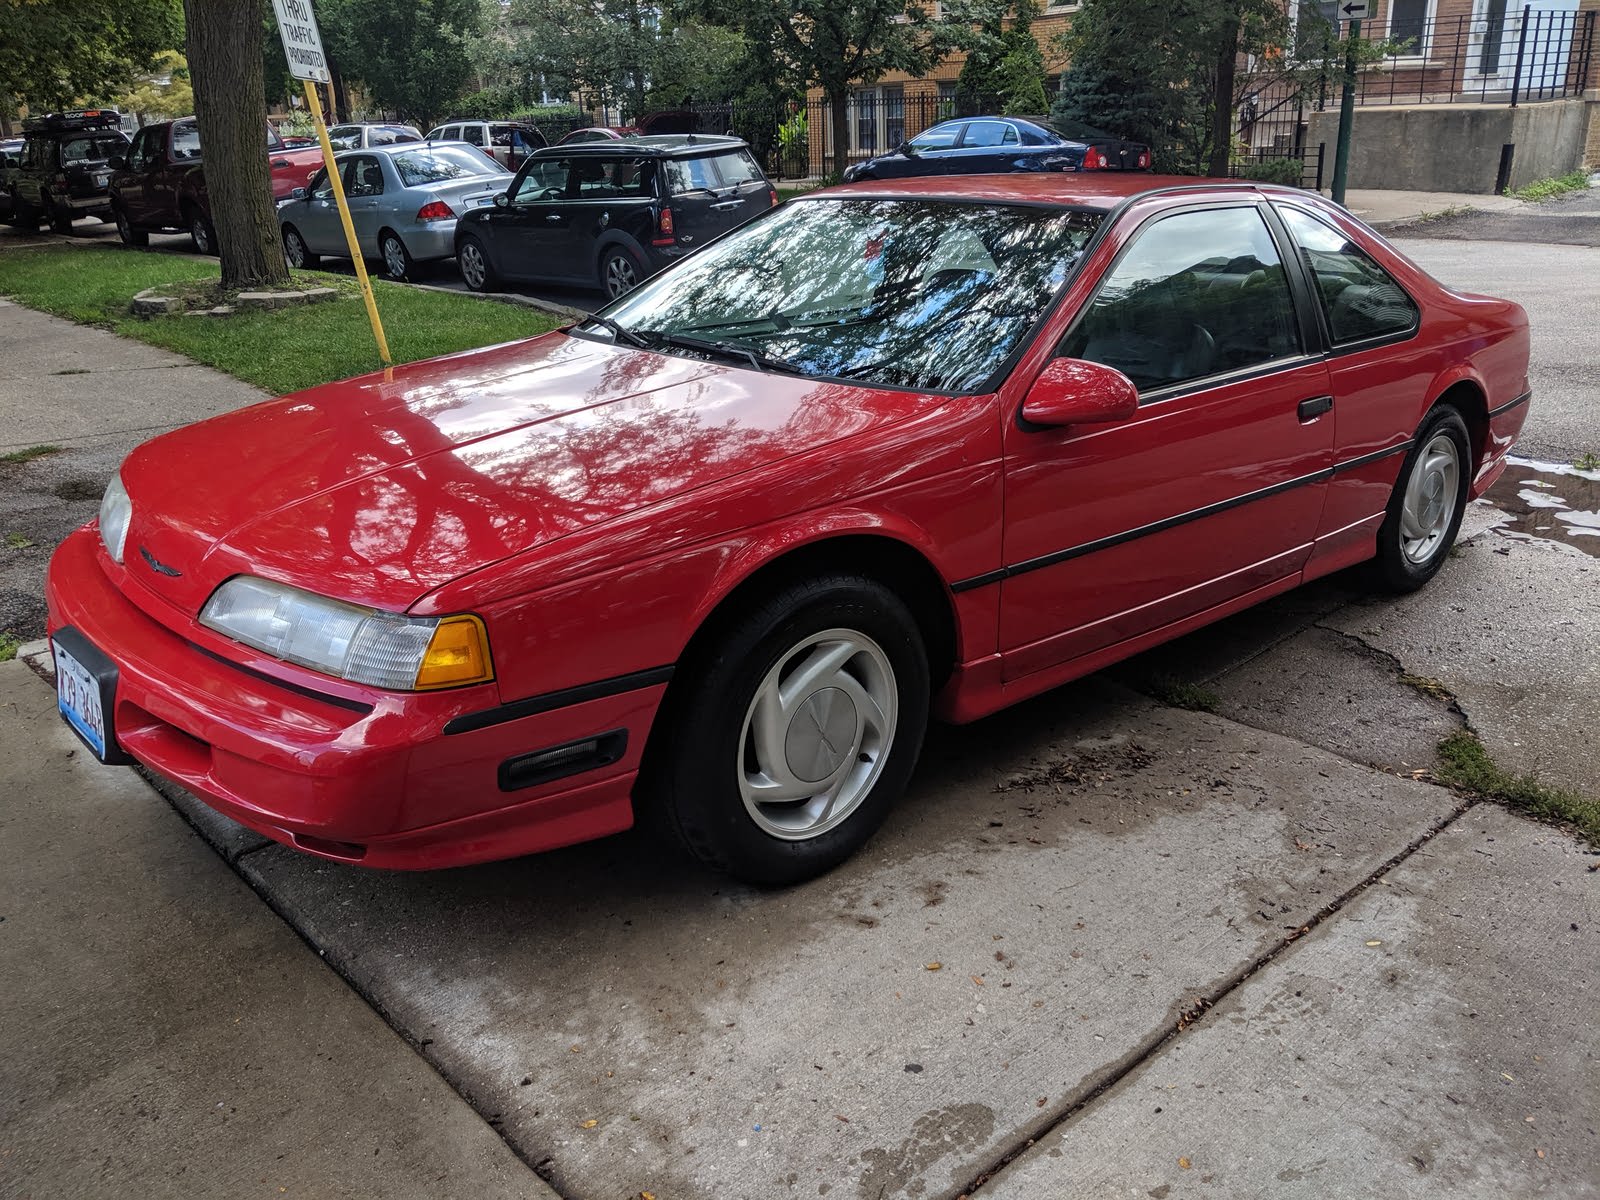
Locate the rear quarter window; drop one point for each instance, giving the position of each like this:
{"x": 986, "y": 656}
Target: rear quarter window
{"x": 692, "y": 175}
{"x": 738, "y": 167}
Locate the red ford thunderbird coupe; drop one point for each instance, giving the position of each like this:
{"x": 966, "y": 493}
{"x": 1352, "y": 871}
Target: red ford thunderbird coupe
{"x": 714, "y": 557}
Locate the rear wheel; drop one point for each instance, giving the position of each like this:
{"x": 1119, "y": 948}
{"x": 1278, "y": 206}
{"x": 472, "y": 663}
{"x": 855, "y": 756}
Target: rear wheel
{"x": 24, "y": 215}
{"x": 125, "y": 230}
{"x": 794, "y": 735}
{"x": 295, "y": 250}
{"x": 620, "y": 271}
{"x": 59, "y": 216}
{"x": 397, "y": 260}
{"x": 476, "y": 270}
{"x": 1428, "y": 501}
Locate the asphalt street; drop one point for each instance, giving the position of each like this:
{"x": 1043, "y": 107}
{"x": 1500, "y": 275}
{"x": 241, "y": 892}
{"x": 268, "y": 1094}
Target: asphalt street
{"x": 1106, "y": 946}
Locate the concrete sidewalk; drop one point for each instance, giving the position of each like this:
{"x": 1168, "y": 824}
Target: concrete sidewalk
{"x": 163, "y": 1033}
{"x": 1385, "y": 210}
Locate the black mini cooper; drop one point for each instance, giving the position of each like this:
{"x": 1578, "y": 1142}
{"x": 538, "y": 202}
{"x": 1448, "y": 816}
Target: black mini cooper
{"x": 610, "y": 214}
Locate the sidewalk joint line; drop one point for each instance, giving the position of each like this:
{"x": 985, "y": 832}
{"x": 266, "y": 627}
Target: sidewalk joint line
{"x": 1154, "y": 1045}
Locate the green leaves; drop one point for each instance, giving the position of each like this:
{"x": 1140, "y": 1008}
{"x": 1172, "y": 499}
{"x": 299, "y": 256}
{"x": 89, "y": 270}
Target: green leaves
{"x": 55, "y": 54}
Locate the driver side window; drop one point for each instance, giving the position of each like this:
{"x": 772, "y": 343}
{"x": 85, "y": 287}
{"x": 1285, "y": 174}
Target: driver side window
{"x": 321, "y": 189}
{"x": 545, "y": 180}
{"x": 1196, "y": 294}
{"x": 941, "y": 137}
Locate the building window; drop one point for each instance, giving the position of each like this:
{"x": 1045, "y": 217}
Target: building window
{"x": 1409, "y": 26}
{"x": 894, "y": 117}
{"x": 864, "y": 120}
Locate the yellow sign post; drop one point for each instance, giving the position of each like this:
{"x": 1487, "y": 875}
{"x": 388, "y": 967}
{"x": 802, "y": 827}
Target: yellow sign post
{"x": 314, "y": 103}
{"x": 302, "y": 48}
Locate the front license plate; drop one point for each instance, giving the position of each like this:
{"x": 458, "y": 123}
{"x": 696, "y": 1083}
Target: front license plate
{"x": 86, "y": 689}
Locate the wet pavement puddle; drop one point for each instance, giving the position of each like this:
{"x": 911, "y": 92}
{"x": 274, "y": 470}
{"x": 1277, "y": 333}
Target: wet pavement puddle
{"x": 1547, "y": 500}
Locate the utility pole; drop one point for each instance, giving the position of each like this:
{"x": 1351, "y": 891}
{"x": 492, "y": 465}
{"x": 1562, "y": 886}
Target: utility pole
{"x": 1355, "y": 10}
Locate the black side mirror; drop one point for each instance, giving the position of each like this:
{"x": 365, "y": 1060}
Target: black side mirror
{"x": 116, "y": 162}
{"x": 907, "y": 149}
{"x": 502, "y": 199}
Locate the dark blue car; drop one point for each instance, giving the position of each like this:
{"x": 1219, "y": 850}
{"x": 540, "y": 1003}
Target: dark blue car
{"x": 991, "y": 145}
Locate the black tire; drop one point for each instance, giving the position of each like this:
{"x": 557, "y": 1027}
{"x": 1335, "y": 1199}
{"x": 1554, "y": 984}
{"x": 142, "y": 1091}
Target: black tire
{"x": 1405, "y": 560}
{"x": 201, "y": 232}
{"x": 703, "y": 755}
{"x": 476, "y": 267}
{"x": 397, "y": 260}
{"x": 24, "y": 215}
{"x": 60, "y": 218}
{"x": 620, "y": 271}
{"x": 126, "y": 232}
{"x": 295, "y": 251}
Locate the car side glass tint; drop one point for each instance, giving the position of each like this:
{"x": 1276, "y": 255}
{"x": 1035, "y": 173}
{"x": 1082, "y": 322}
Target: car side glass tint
{"x": 1361, "y": 299}
{"x": 185, "y": 141}
{"x": 939, "y": 138}
{"x": 541, "y": 177}
{"x": 1196, "y": 294}
{"x": 987, "y": 133}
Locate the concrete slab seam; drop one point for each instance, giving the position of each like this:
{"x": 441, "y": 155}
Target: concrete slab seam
{"x": 1195, "y": 1014}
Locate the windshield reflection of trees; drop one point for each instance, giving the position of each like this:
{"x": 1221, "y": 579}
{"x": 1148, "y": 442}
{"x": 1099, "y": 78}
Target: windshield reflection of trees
{"x": 920, "y": 294}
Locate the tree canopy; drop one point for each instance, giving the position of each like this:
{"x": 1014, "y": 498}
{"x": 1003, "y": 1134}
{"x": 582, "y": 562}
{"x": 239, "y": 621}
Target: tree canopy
{"x": 55, "y": 54}
{"x": 412, "y": 57}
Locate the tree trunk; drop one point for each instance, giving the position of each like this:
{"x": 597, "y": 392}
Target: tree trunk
{"x": 838, "y": 117}
{"x": 224, "y": 48}
{"x": 341, "y": 98}
{"x": 1222, "y": 101}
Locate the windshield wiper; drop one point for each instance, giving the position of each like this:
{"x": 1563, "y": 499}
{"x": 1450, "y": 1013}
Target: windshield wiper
{"x": 725, "y": 349}
{"x": 618, "y": 332}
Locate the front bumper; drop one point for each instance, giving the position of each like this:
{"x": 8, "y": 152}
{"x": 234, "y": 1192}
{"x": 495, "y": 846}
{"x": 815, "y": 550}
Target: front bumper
{"x": 377, "y": 782}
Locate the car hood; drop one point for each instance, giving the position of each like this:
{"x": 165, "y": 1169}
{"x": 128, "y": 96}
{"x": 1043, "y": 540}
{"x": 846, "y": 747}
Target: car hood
{"x": 381, "y": 488}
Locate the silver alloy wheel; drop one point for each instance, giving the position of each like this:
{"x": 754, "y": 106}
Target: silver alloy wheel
{"x": 294, "y": 248}
{"x": 473, "y": 268}
{"x": 1429, "y": 505}
{"x": 200, "y": 234}
{"x": 394, "y": 256}
{"x": 817, "y": 734}
{"x": 620, "y": 275}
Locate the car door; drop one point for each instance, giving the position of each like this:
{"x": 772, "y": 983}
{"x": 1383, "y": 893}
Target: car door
{"x": 182, "y": 157}
{"x": 1213, "y": 491}
{"x": 985, "y": 146}
{"x": 1376, "y": 386}
{"x": 929, "y": 153}
{"x": 131, "y": 185}
{"x": 531, "y": 236}
{"x": 317, "y": 218}
{"x": 362, "y": 175}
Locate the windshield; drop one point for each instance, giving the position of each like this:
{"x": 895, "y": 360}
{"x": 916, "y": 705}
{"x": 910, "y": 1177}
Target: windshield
{"x": 440, "y": 164}
{"x": 924, "y": 294}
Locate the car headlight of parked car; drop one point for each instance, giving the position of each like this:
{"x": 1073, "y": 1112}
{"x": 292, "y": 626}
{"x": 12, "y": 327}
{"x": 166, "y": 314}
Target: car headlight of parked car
{"x": 363, "y": 645}
{"x": 115, "y": 512}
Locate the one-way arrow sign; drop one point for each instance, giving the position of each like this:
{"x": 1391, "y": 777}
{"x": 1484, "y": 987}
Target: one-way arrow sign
{"x": 1355, "y": 10}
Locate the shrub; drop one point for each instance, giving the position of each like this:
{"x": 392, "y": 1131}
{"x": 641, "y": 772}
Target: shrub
{"x": 1287, "y": 171}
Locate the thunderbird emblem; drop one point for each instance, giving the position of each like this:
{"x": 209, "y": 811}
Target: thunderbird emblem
{"x": 157, "y": 565}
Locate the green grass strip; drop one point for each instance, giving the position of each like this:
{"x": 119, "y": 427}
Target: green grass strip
{"x": 280, "y": 351}
{"x": 1466, "y": 765}
{"x": 1548, "y": 189}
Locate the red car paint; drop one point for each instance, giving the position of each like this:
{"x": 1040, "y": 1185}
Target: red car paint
{"x": 595, "y": 504}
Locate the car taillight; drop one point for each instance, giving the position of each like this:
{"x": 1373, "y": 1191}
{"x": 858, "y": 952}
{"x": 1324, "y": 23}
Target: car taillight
{"x": 664, "y": 230}
{"x": 435, "y": 210}
{"x": 772, "y": 197}
{"x": 1094, "y": 159}
{"x": 1144, "y": 160}
{"x": 61, "y": 180}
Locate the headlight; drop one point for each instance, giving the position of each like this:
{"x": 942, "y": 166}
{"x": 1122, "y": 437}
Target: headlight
{"x": 115, "y": 511}
{"x": 362, "y": 645}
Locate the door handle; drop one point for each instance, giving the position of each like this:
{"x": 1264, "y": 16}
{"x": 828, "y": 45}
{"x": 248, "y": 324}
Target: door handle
{"x": 553, "y": 217}
{"x": 728, "y": 204}
{"x": 1313, "y": 408}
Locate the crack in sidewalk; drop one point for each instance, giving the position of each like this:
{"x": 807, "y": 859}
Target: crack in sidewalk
{"x": 1200, "y": 1006}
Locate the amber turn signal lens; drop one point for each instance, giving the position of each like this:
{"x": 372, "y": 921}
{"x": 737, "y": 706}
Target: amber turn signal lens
{"x": 458, "y": 654}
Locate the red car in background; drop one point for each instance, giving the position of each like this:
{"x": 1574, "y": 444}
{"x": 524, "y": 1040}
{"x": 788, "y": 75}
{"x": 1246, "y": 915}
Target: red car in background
{"x": 714, "y": 556}
{"x": 160, "y": 184}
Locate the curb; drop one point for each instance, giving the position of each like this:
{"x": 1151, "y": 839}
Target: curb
{"x": 556, "y": 310}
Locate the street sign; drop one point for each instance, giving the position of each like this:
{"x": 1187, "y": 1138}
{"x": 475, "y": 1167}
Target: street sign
{"x": 1355, "y": 10}
{"x": 302, "y": 41}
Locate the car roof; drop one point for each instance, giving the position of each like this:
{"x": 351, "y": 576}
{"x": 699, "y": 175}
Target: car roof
{"x": 1068, "y": 189}
{"x": 392, "y": 148}
{"x": 663, "y": 145}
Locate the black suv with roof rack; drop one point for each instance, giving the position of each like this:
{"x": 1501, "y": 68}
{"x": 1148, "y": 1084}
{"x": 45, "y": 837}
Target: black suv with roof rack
{"x": 64, "y": 169}
{"x": 611, "y": 213}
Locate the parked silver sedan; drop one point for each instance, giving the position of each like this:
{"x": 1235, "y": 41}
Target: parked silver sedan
{"x": 404, "y": 201}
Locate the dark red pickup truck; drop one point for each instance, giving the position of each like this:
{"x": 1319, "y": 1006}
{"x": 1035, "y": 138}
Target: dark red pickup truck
{"x": 160, "y": 184}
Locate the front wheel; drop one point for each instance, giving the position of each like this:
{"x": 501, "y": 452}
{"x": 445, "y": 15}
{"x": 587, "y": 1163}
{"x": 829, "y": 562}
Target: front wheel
{"x": 1429, "y": 498}
{"x": 125, "y": 230}
{"x": 620, "y": 272}
{"x": 295, "y": 251}
{"x": 477, "y": 272}
{"x": 60, "y": 217}
{"x": 201, "y": 233}
{"x": 795, "y": 734}
{"x": 23, "y": 214}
